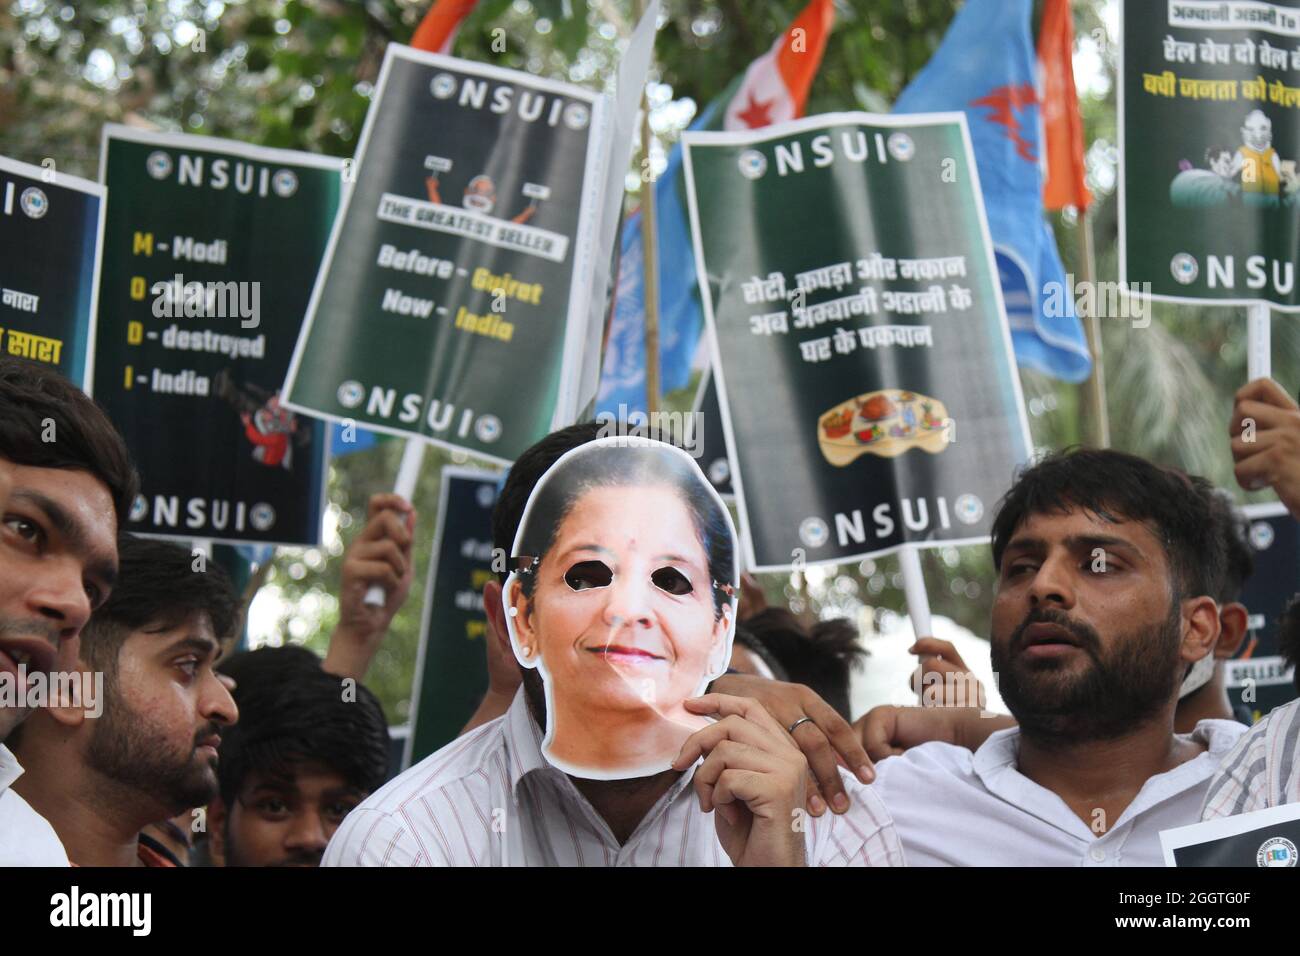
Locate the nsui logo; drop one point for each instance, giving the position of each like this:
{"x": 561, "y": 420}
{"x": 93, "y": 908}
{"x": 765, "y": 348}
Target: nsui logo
{"x": 1278, "y": 851}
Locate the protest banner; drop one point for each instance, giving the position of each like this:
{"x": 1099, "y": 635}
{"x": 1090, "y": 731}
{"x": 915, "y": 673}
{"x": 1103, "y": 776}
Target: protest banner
{"x": 51, "y": 227}
{"x": 1209, "y": 119}
{"x": 1257, "y": 677}
{"x": 864, "y": 364}
{"x": 451, "y": 665}
{"x": 452, "y": 303}
{"x": 1266, "y": 838}
{"x": 211, "y": 247}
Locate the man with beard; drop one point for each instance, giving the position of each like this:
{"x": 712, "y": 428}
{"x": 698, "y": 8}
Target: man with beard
{"x": 1105, "y": 566}
{"x": 66, "y": 485}
{"x": 153, "y": 752}
{"x": 309, "y": 747}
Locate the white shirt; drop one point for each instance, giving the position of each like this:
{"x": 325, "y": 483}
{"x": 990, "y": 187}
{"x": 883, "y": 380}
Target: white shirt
{"x": 957, "y": 808}
{"x": 491, "y": 799}
{"x": 1262, "y": 771}
{"x": 26, "y": 837}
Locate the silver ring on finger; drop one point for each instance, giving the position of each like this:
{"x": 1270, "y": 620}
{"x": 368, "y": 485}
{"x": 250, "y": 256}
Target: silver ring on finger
{"x": 802, "y": 720}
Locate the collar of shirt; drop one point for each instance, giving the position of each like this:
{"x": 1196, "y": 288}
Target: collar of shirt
{"x": 995, "y": 765}
{"x": 524, "y": 752}
{"x": 10, "y": 768}
{"x": 26, "y": 837}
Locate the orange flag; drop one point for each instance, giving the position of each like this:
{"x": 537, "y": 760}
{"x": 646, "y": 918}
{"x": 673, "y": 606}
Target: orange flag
{"x": 1062, "y": 124}
{"x": 438, "y": 28}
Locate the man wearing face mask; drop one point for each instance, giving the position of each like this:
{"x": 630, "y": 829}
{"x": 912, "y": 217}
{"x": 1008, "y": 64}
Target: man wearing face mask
{"x": 490, "y": 798}
{"x": 1106, "y": 569}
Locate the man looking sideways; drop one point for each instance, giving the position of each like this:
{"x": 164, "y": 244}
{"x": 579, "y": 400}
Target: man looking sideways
{"x": 153, "y": 752}
{"x": 1105, "y": 568}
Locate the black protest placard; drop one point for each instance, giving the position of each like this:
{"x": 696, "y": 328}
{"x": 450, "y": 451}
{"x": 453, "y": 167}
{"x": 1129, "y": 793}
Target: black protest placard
{"x": 210, "y": 251}
{"x": 1209, "y": 108}
{"x": 451, "y": 667}
{"x": 453, "y": 302}
{"x": 50, "y": 230}
{"x": 863, "y": 360}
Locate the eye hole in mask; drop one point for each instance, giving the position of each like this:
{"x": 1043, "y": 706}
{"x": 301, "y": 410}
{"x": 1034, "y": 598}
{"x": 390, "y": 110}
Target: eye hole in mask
{"x": 597, "y": 574}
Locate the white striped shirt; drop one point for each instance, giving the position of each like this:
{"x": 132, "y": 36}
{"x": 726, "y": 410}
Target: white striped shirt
{"x": 490, "y": 798}
{"x": 1262, "y": 771}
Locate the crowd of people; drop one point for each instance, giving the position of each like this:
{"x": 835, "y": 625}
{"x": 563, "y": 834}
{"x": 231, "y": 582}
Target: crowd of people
{"x": 1117, "y": 602}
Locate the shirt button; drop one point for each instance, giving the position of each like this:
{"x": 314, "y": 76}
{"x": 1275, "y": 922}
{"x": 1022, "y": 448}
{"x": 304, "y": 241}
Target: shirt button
{"x": 1098, "y": 854}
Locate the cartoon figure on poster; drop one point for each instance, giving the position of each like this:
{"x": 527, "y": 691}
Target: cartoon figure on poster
{"x": 1252, "y": 172}
{"x": 271, "y": 429}
{"x": 623, "y": 596}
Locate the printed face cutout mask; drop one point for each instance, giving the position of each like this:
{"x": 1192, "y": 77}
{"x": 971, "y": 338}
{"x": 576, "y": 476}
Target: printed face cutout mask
{"x": 623, "y": 596}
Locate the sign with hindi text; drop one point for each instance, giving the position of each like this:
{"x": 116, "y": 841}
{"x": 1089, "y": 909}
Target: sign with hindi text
{"x": 861, "y": 348}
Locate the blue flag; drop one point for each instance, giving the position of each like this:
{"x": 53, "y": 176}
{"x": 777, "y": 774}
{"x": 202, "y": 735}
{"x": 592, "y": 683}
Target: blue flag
{"x": 985, "y": 67}
{"x": 622, "y": 375}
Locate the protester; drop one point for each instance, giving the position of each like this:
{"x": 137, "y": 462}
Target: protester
{"x": 1105, "y": 567}
{"x": 152, "y": 753}
{"x": 490, "y": 798}
{"x": 1203, "y": 695}
{"x": 820, "y": 657}
{"x": 750, "y": 656}
{"x": 615, "y": 695}
{"x": 308, "y": 748}
{"x": 66, "y": 485}
{"x": 1263, "y": 770}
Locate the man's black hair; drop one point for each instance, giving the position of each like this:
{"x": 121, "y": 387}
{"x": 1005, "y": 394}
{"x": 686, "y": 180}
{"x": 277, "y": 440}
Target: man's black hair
{"x": 1288, "y": 637}
{"x": 819, "y": 657}
{"x": 1118, "y": 487}
{"x": 157, "y": 587}
{"x": 47, "y": 422}
{"x": 1232, "y": 529}
{"x": 524, "y": 476}
{"x": 292, "y": 712}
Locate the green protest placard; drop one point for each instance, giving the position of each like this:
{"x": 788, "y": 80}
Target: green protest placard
{"x": 861, "y": 347}
{"x": 451, "y": 667}
{"x": 51, "y": 225}
{"x": 1209, "y": 116}
{"x": 210, "y": 251}
{"x": 453, "y": 303}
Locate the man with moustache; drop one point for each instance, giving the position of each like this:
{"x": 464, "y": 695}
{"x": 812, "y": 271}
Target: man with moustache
{"x": 1105, "y": 568}
{"x": 66, "y": 485}
{"x": 153, "y": 752}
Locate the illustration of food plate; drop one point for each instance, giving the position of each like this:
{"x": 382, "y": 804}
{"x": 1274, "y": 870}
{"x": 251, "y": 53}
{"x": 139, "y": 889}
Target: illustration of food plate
{"x": 885, "y": 423}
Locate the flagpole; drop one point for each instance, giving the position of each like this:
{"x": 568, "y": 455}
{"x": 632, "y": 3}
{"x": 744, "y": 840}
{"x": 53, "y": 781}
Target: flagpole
{"x": 650, "y": 256}
{"x": 1259, "y": 358}
{"x": 1099, "y": 424}
{"x": 408, "y": 474}
{"x": 918, "y": 601}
